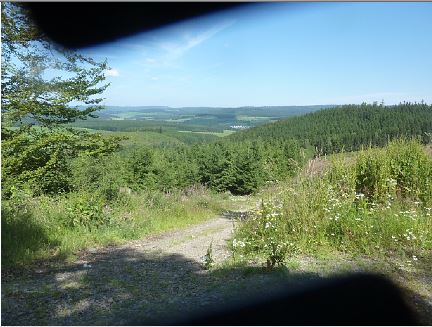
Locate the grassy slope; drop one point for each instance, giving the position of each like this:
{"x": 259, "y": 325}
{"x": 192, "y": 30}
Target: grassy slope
{"x": 324, "y": 233}
{"x": 39, "y": 228}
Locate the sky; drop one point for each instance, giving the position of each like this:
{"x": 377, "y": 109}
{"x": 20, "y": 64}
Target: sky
{"x": 277, "y": 54}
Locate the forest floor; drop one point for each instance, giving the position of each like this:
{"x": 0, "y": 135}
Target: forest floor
{"x": 157, "y": 280}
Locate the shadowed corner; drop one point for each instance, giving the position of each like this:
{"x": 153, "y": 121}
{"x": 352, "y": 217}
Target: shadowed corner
{"x": 124, "y": 286}
{"x": 419, "y": 302}
{"x": 20, "y": 235}
{"x": 358, "y": 299}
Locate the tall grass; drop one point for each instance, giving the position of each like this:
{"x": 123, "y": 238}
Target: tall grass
{"x": 46, "y": 227}
{"x": 377, "y": 203}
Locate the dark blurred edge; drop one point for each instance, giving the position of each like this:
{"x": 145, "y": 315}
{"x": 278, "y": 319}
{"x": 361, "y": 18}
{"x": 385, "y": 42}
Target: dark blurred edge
{"x": 357, "y": 299}
{"x": 81, "y": 24}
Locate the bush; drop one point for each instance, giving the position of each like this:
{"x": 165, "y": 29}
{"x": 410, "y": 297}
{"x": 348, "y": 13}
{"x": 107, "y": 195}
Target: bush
{"x": 265, "y": 233}
{"x": 402, "y": 168}
{"x": 38, "y": 158}
{"x": 23, "y": 236}
{"x": 103, "y": 176}
{"x": 87, "y": 210}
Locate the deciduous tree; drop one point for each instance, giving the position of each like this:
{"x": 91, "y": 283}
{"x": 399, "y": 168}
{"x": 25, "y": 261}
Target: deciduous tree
{"x": 44, "y": 87}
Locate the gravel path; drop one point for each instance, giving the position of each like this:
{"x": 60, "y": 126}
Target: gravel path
{"x": 153, "y": 281}
{"x": 191, "y": 243}
{"x": 141, "y": 280}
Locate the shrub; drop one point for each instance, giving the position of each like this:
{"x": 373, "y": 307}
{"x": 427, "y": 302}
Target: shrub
{"x": 87, "y": 210}
{"x": 402, "y": 168}
{"x": 265, "y": 234}
{"x": 103, "y": 176}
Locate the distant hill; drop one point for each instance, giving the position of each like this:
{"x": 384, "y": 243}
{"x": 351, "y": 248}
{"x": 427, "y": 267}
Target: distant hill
{"x": 141, "y": 112}
{"x": 192, "y": 118}
{"x": 348, "y": 127}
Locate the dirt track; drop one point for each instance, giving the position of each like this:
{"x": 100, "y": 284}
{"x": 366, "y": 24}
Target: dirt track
{"x": 140, "y": 279}
{"x": 154, "y": 280}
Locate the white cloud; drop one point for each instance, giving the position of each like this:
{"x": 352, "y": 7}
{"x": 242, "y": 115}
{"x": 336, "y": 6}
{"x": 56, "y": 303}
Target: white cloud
{"x": 177, "y": 44}
{"x": 172, "y": 50}
{"x": 176, "y": 50}
{"x": 112, "y": 72}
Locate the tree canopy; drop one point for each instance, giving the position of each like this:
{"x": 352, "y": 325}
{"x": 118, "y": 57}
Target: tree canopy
{"x": 43, "y": 88}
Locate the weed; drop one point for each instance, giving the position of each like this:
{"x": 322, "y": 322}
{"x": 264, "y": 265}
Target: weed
{"x": 208, "y": 258}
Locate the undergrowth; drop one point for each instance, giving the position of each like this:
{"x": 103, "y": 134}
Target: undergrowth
{"x": 46, "y": 227}
{"x": 379, "y": 204}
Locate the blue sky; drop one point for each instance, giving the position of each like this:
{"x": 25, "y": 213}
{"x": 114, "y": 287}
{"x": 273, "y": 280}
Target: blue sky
{"x": 278, "y": 54}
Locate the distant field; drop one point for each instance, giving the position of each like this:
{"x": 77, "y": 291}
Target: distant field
{"x": 200, "y": 120}
{"x": 254, "y": 118}
{"x": 226, "y": 132}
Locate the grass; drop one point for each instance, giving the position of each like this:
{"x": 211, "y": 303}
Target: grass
{"x": 376, "y": 204}
{"x": 40, "y": 228}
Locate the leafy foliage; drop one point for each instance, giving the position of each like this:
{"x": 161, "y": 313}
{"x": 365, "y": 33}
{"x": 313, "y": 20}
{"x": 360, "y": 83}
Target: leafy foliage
{"x": 403, "y": 170}
{"x": 38, "y": 155}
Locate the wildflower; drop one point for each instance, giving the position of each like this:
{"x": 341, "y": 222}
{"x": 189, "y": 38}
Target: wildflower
{"x": 414, "y": 258}
{"x": 359, "y": 195}
{"x": 238, "y": 243}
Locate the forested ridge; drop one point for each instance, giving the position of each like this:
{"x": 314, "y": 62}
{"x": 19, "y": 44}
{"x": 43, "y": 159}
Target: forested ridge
{"x": 240, "y": 163}
{"x": 349, "y": 127}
